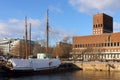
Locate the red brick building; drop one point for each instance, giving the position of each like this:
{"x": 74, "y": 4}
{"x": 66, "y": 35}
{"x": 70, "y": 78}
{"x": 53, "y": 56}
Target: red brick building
{"x": 102, "y": 23}
{"x": 102, "y": 45}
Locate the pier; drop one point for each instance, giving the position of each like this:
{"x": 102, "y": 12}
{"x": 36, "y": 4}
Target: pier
{"x": 99, "y": 66}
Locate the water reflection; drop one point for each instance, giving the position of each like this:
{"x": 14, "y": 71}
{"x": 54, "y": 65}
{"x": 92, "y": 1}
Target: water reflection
{"x": 97, "y": 75}
{"x": 78, "y": 75}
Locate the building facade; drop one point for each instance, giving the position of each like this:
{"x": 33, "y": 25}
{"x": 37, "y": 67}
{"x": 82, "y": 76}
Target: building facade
{"x": 15, "y": 47}
{"x": 6, "y": 45}
{"x": 102, "y": 45}
{"x": 102, "y": 23}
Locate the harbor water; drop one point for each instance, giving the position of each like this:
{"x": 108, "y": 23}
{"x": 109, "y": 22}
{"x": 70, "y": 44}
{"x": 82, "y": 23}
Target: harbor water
{"x": 76, "y": 75}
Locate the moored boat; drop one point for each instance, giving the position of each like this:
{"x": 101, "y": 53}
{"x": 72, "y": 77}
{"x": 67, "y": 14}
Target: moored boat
{"x": 30, "y": 66}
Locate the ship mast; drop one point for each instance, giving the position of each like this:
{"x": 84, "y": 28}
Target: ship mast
{"x": 30, "y": 40}
{"x": 47, "y": 34}
{"x": 26, "y": 39}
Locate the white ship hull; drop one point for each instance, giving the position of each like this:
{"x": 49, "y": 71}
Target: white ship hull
{"x": 31, "y": 66}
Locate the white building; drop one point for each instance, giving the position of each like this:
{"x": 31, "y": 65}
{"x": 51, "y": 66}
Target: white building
{"x": 7, "y": 44}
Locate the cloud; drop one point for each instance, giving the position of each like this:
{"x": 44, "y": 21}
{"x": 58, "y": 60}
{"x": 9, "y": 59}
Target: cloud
{"x": 14, "y": 28}
{"x": 4, "y": 30}
{"x": 87, "y": 6}
{"x": 36, "y": 22}
{"x": 55, "y": 9}
{"x": 13, "y": 20}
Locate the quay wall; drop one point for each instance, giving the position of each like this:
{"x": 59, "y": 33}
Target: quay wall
{"x": 99, "y": 66}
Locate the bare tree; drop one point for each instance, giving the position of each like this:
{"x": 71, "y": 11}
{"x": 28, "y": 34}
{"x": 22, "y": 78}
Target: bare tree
{"x": 19, "y": 49}
{"x": 62, "y": 49}
{"x": 57, "y": 51}
{"x": 36, "y": 48}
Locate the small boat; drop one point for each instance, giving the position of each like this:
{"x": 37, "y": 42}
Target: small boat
{"x": 15, "y": 66}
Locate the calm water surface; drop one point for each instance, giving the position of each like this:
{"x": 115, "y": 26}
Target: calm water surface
{"x": 78, "y": 75}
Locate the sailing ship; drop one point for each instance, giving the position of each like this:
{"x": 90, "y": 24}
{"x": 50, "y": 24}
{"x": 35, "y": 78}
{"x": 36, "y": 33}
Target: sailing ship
{"x": 27, "y": 66}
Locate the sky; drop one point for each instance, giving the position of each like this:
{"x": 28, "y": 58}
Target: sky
{"x": 67, "y": 18}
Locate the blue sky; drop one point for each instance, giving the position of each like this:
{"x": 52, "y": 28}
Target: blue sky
{"x": 67, "y": 18}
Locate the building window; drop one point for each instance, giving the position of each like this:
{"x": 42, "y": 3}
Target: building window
{"x": 105, "y": 44}
{"x": 96, "y": 45}
{"x": 105, "y": 55}
{"x": 93, "y": 45}
{"x": 117, "y": 55}
{"x": 80, "y": 45}
{"x": 114, "y": 43}
{"x": 111, "y": 44}
{"x": 98, "y": 25}
{"x": 117, "y": 43}
{"x": 108, "y": 55}
{"x": 108, "y": 44}
{"x": 111, "y": 55}
{"x": 102, "y": 44}
{"x": 75, "y": 46}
